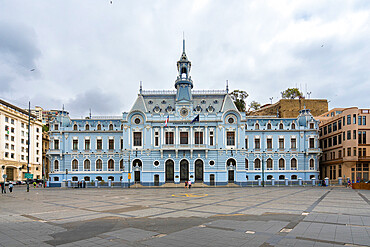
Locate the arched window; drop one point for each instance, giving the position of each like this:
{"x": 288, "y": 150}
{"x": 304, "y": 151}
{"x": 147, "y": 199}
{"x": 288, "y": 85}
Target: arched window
{"x": 87, "y": 165}
{"x": 312, "y": 164}
{"x": 257, "y": 164}
{"x": 257, "y": 126}
{"x": 110, "y": 165}
{"x": 75, "y": 127}
{"x": 56, "y": 179}
{"x": 99, "y": 178}
{"x": 257, "y": 177}
{"x": 281, "y": 126}
{"x": 98, "y": 127}
{"x": 312, "y": 176}
{"x": 74, "y": 179}
{"x": 281, "y": 177}
{"x": 293, "y": 177}
{"x": 121, "y": 166}
{"x": 281, "y": 164}
{"x": 56, "y": 165}
{"x": 293, "y": 164}
{"x": 121, "y": 126}
{"x": 87, "y": 127}
{"x": 111, "y": 178}
{"x": 246, "y": 164}
{"x": 99, "y": 165}
{"x": 269, "y": 164}
{"x": 268, "y": 126}
{"x": 87, "y": 179}
{"x": 292, "y": 126}
{"x": 269, "y": 177}
{"x": 111, "y": 127}
{"x": 74, "y": 165}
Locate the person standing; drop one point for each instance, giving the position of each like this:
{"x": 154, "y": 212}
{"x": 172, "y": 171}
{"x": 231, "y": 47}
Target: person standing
{"x": 189, "y": 184}
{"x": 186, "y": 184}
{"x": 3, "y": 190}
{"x": 10, "y": 187}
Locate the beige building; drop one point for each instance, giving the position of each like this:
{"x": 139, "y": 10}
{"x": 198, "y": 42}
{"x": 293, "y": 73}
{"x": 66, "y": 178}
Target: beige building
{"x": 345, "y": 141}
{"x": 289, "y": 108}
{"x": 13, "y": 143}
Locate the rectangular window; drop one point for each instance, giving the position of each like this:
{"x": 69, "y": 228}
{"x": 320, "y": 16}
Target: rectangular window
{"x": 56, "y": 144}
{"x": 359, "y": 120}
{"x": 246, "y": 143}
{"x": 111, "y": 141}
{"x": 56, "y": 127}
{"x": 325, "y": 130}
{"x": 198, "y": 137}
{"x": 340, "y": 154}
{"x": 329, "y": 128}
{"x": 99, "y": 144}
{"x": 156, "y": 138}
{"x": 363, "y": 137}
{"x": 348, "y": 151}
{"x": 340, "y": 124}
{"x": 7, "y": 119}
{"x": 335, "y": 128}
{"x": 281, "y": 143}
{"x": 339, "y": 170}
{"x": 75, "y": 145}
{"x": 269, "y": 143}
{"x": 169, "y": 138}
{"x": 364, "y": 152}
{"x": 257, "y": 144}
{"x": 211, "y": 138}
{"x": 363, "y": 120}
{"x": 121, "y": 146}
{"x": 354, "y": 134}
{"x": 293, "y": 143}
{"x": 312, "y": 143}
{"x": 354, "y": 152}
{"x": 340, "y": 139}
{"x": 348, "y": 119}
{"x": 344, "y": 121}
{"x": 230, "y": 138}
{"x": 330, "y": 143}
{"x": 325, "y": 143}
{"x": 312, "y": 125}
{"x": 137, "y": 139}
{"x": 348, "y": 135}
{"x": 335, "y": 141}
{"x": 184, "y": 138}
{"x": 359, "y": 152}
{"x": 87, "y": 144}
{"x": 354, "y": 118}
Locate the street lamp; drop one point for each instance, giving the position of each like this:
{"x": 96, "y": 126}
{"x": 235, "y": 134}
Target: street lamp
{"x": 263, "y": 170}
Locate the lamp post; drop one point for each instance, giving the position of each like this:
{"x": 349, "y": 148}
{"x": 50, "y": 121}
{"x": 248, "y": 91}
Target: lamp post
{"x": 129, "y": 169}
{"x": 28, "y": 144}
{"x": 263, "y": 170}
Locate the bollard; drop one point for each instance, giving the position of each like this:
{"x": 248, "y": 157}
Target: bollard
{"x": 340, "y": 181}
{"x": 69, "y": 183}
{"x": 300, "y": 181}
{"x": 63, "y": 184}
{"x": 313, "y": 181}
{"x": 259, "y": 182}
{"x": 273, "y": 181}
{"x": 109, "y": 182}
{"x": 286, "y": 181}
{"x": 96, "y": 183}
{"x": 326, "y": 181}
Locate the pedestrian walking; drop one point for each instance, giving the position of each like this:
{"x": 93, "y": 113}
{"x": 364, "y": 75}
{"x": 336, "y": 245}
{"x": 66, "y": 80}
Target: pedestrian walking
{"x": 3, "y": 190}
{"x": 189, "y": 184}
{"x": 34, "y": 184}
{"x": 186, "y": 184}
{"x": 10, "y": 187}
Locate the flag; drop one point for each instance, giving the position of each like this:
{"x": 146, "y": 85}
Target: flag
{"x": 166, "y": 122}
{"x": 196, "y": 119}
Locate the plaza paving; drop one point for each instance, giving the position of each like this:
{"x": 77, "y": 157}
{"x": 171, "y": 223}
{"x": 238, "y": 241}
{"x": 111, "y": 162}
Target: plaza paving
{"x": 280, "y": 216}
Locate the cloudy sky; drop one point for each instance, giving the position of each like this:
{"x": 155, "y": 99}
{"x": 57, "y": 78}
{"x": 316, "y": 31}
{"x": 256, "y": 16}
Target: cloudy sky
{"x": 93, "y": 53}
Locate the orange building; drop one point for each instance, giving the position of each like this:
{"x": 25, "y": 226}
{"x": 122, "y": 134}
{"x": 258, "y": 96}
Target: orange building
{"x": 345, "y": 142}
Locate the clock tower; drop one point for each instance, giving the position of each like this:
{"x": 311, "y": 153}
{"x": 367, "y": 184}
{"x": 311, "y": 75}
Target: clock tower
{"x": 183, "y": 84}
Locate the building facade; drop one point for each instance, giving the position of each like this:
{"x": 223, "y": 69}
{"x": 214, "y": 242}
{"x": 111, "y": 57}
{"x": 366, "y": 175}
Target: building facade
{"x": 13, "y": 143}
{"x": 171, "y": 136}
{"x": 345, "y": 141}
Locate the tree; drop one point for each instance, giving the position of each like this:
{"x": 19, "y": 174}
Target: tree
{"x": 291, "y": 93}
{"x": 239, "y": 96}
{"x": 254, "y": 105}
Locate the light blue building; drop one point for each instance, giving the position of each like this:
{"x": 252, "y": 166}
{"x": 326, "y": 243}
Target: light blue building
{"x": 171, "y": 136}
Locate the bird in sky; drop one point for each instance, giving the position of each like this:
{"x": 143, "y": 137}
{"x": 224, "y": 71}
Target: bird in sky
{"x": 322, "y": 45}
{"x": 32, "y": 70}
{"x": 111, "y": 2}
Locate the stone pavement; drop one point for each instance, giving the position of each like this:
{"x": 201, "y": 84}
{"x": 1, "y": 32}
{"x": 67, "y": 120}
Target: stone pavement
{"x": 283, "y": 216}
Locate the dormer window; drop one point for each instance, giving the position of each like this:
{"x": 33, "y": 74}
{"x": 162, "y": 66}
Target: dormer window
{"x": 111, "y": 127}
{"x": 87, "y": 127}
{"x": 293, "y": 126}
{"x": 198, "y": 108}
{"x": 156, "y": 109}
{"x": 281, "y": 126}
{"x": 268, "y": 126}
{"x": 98, "y": 127}
{"x": 257, "y": 126}
{"x": 210, "y": 108}
{"x": 203, "y": 101}
{"x": 75, "y": 127}
{"x": 163, "y": 102}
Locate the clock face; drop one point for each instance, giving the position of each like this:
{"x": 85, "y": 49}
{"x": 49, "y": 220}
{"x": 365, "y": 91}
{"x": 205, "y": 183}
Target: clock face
{"x": 184, "y": 112}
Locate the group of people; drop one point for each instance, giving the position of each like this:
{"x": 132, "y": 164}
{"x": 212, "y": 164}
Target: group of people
{"x": 187, "y": 184}
{"x": 3, "y": 187}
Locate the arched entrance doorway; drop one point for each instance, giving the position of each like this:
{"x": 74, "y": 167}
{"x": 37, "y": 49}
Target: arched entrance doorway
{"x": 137, "y": 165}
{"x": 169, "y": 171}
{"x": 199, "y": 170}
{"x": 231, "y": 165}
{"x": 184, "y": 170}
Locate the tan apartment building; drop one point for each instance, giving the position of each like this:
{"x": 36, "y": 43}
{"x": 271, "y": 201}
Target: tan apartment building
{"x": 345, "y": 142}
{"x": 14, "y": 143}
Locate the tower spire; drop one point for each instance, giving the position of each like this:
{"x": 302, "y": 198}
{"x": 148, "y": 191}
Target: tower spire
{"x": 183, "y": 42}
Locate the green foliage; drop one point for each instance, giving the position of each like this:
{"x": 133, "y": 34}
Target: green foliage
{"x": 291, "y": 93}
{"x": 239, "y": 96}
{"x": 45, "y": 128}
{"x": 254, "y": 105}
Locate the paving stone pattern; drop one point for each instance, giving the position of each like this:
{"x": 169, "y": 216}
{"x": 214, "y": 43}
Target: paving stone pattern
{"x": 283, "y": 216}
